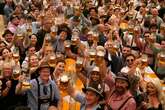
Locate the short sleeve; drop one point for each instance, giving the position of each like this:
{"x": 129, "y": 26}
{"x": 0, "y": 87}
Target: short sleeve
{"x": 80, "y": 98}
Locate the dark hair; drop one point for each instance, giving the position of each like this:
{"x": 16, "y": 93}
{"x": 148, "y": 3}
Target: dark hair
{"x": 7, "y": 31}
{"x": 93, "y": 8}
{"x": 127, "y": 46}
{"x": 60, "y": 60}
{"x": 153, "y": 25}
{"x": 4, "y": 49}
{"x": 130, "y": 55}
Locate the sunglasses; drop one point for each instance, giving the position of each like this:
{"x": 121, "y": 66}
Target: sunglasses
{"x": 95, "y": 73}
{"x": 130, "y": 60}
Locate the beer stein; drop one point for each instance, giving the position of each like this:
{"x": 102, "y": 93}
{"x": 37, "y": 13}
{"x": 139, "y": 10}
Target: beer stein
{"x": 29, "y": 29}
{"x": 79, "y": 62}
{"x": 96, "y": 36}
{"x": 16, "y": 72}
{"x": 19, "y": 36}
{"x": 64, "y": 81}
{"x": 16, "y": 56}
{"x": 52, "y": 60}
{"x": 53, "y": 31}
{"x": 67, "y": 43}
{"x": 144, "y": 60}
{"x": 74, "y": 40}
{"x": 92, "y": 54}
{"x": 26, "y": 82}
{"x": 161, "y": 58}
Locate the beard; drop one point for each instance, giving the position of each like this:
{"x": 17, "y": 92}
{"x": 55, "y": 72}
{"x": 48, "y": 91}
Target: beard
{"x": 120, "y": 90}
{"x": 90, "y": 43}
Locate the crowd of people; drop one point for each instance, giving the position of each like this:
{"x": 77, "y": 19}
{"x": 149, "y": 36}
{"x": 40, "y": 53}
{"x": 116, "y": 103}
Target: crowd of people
{"x": 82, "y": 55}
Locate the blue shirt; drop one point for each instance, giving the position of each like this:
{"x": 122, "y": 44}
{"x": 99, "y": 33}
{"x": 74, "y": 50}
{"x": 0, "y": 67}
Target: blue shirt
{"x": 33, "y": 94}
{"x": 80, "y": 98}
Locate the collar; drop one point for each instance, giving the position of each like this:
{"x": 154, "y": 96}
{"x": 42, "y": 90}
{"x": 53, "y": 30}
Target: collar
{"x": 93, "y": 108}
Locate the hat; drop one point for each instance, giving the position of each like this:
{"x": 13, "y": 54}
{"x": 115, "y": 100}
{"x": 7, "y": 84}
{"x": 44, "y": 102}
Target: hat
{"x": 100, "y": 53}
{"x": 7, "y": 32}
{"x": 117, "y": 7}
{"x": 95, "y": 87}
{"x": 96, "y": 69}
{"x": 45, "y": 65}
{"x": 123, "y": 76}
{"x": 100, "y": 48}
{"x": 76, "y": 18}
{"x": 90, "y": 33}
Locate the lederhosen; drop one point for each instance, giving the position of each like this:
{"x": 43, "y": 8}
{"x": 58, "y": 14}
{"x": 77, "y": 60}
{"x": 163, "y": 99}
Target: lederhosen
{"x": 43, "y": 101}
{"x": 122, "y": 105}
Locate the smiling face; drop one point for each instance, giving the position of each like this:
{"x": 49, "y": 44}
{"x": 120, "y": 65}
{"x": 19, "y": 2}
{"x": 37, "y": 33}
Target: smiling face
{"x": 33, "y": 61}
{"x": 44, "y": 74}
{"x": 91, "y": 98}
{"x": 95, "y": 76}
{"x": 9, "y": 38}
{"x": 60, "y": 67}
{"x": 126, "y": 51}
{"x": 121, "y": 86}
{"x": 5, "y": 53}
{"x": 130, "y": 60}
{"x": 33, "y": 40}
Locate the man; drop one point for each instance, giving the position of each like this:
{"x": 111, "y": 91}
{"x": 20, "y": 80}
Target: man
{"x": 9, "y": 100}
{"x": 93, "y": 95}
{"x": 113, "y": 57}
{"x": 43, "y": 93}
{"x": 8, "y": 9}
{"x": 13, "y": 24}
{"x": 8, "y": 39}
{"x": 121, "y": 98}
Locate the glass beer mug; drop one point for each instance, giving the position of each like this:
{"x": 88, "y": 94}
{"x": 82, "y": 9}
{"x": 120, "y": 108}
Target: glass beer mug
{"x": 161, "y": 58}
{"x": 92, "y": 54}
{"x": 52, "y": 60}
{"x": 144, "y": 60}
{"x": 64, "y": 81}
{"x": 53, "y": 31}
{"x": 26, "y": 82}
{"x": 29, "y": 29}
{"x": 16, "y": 72}
{"x": 19, "y": 36}
{"x": 79, "y": 62}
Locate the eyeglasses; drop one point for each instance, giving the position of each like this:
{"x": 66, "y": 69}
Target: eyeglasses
{"x": 130, "y": 60}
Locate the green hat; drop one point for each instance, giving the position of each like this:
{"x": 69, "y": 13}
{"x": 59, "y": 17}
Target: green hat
{"x": 95, "y": 87}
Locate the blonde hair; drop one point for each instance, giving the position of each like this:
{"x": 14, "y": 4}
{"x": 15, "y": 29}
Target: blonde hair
{"x": 161, "y": 95}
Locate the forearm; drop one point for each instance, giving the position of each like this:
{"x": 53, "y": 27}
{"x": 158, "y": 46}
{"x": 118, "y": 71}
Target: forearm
{"x": 18, "y": 88}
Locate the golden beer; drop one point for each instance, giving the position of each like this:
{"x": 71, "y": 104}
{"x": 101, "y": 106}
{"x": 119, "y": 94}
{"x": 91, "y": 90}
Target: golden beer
{"x": 26, "y": 85}
{"x": 52, "y": 60}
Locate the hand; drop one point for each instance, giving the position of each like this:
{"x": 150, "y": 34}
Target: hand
{"x": 52, "y": 108}
{"x": 137, "y": 62}
{"x": 21, "y": 78}
{"x": 8, "y": 84}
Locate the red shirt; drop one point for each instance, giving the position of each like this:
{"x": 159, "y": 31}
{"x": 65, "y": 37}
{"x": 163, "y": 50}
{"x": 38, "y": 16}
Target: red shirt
{"x": 116, "y": 101}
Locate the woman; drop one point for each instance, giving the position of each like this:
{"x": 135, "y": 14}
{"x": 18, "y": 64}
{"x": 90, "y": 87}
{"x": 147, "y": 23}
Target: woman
{"x": 155, "y": 96}
{"x": 33, "y": 66}
{"x": 6, "y": 55}
{"x": 31, "y": 41}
